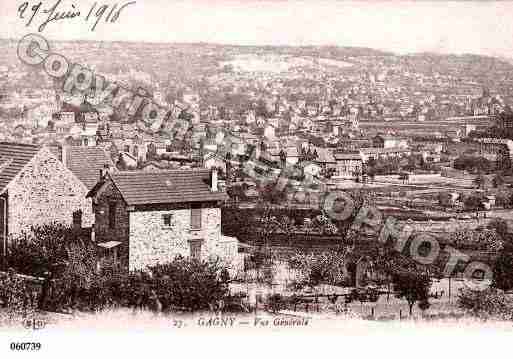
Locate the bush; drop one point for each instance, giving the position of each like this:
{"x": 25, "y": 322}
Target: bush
{"x": 184, "y": 284}
{"x": 503, "y": 270}
{"x": 15, "y": 297}
{"x": 486, "y": 238}
{"x": 411, "y": 285}
{"x": 189, "y": 284}
{"x": 276, "y": 302}
{"x": 78, "y": 285}
{"x": 488, "y": 304}
{"x": 472, "y": 163}
{"x": 40, "y": 249}
{"x": 314, "y": 269}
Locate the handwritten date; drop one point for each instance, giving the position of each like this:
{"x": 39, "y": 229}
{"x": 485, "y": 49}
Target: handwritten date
{"x": 58, "y": 13}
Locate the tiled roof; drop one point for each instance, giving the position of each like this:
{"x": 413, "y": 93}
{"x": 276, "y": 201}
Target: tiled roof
{"x": 13, "y": 157}
{"x": 161, "y": 187}
{"x": 86, "y": 163}
{"x": 371, "y": 150}
{"x": 347, "y": 156}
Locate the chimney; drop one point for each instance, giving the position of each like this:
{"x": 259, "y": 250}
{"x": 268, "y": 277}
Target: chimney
{"x": 213, "y": 179}
{"x": 104, "y": 171}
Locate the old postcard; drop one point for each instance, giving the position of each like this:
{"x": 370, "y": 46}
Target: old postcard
{"x": 222, "y": 168}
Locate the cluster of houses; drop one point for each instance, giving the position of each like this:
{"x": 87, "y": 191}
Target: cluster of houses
{"x": 138, "y": 218}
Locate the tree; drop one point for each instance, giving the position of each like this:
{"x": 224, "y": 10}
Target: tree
{"x": 472, "y": 163}
{"x": 503, "y": 198}
{"x": 411, "y": 285}
{"x": 14, "y": 296}
{"x": 371, "y": 174}
{"x": 498, "y": 180}
{"x": 486, "y": 303}
{"x": 283, "y": 158}
{"x": 444, "y": 198}
{"x": 314, "y": 269}
{"x": 474, "y": 202}
{"x": 356, "y": 174}
{"x": 503, "y": 271}
{"x": 499, "y": 225}
{"x": 236, "y": 192}
{"x": 190, "y": 283}
{"x": 424, "y": 305}
{"x": 411, "y": 165}
{"x": 40, "y": 250}
{"x": 327, "y": 172}
{"x": 271, "y": 194}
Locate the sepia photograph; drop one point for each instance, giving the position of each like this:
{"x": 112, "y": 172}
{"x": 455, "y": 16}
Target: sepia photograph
{"x": 264, "y": 168}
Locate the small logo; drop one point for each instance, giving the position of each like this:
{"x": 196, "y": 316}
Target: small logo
{"x": 34, "y": 323}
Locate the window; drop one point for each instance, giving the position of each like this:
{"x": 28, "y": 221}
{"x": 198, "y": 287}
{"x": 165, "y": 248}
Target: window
{"x": 195, "y": 249}
{"x": 112, "y": 214}
{"x": 196, "y": 217}
{"x": 166, "y": 219}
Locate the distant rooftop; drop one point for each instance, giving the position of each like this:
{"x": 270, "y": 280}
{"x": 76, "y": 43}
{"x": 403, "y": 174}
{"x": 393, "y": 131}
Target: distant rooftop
{"x": 86, "y": 163}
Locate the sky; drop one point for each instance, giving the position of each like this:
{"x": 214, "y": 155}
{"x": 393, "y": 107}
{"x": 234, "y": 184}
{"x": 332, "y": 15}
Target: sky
{"x": 480, "y": 27}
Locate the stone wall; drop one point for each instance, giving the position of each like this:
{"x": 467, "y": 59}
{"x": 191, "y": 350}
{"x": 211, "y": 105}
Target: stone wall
{"x": 44, "y": 192}
{"x": 103, "y": 233}
{"x": 151, "y": 242}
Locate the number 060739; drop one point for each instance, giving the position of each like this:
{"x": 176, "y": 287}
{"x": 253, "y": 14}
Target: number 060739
{"x": 25, "y": 346}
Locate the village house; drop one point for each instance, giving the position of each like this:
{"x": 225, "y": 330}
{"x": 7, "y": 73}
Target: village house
{"x": 383, "y": 153}
{"x": 212, "y": 160}
{"x": 496, "y": 150}
{"x": 348, "y": 165}
{"x": 353, "y": 144}
{"x": 150, "y": 217}
{"x": 36, "y": 189}
{"x": 382, "y": 141}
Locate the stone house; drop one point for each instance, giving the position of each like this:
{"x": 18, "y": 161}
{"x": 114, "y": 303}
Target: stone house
{"x": 497, "y": 150}
{"x": 35, "y": 189}
{"x": 382, "y": 141}
{"x": 348, "y": 165}
{"x": 325, "y": 158}
{"x": 378, "y": 153}
{"x": 150, "y": 217}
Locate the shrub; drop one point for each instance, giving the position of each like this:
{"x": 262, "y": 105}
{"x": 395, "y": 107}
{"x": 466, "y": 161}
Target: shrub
{"x": 424, "y": 304}
{"x": 78, "y": 285}
{"x": 314, "y": 269}
{"x": 15, "y": 297}
{"x": 39, "y": 250}
{"x": 490, "y": 303}
{"x": 412, "y": 286}
{"x": 276, "y": 302}
{"x": 184, "y": 283}
{"x": 503, "y": 270}
{"x": 189, "y": 284}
